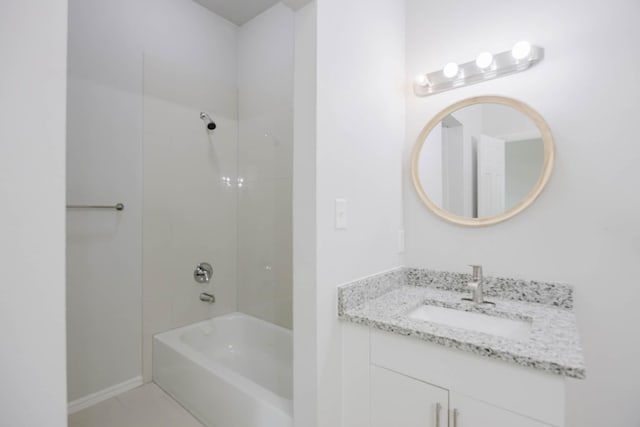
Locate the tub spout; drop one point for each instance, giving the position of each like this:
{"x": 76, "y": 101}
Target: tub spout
{"x": 205, "y": 297}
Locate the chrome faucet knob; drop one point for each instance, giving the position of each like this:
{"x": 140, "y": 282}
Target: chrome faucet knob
{"x": 203, "y": 272}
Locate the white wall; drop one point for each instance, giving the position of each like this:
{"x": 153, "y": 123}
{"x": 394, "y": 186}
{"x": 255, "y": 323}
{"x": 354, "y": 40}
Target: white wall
{"x": 33, "y": 45}
{"x": 360, "y": 134}
{"x": 305, "y": 355}
{"x": 103, "y": 246}
{"x": 584, "y": 227}
{"x": 109, "y": 42}
{"x": 265, "y": 102}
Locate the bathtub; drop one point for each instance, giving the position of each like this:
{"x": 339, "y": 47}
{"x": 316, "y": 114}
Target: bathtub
{"x": 229, "y": 371}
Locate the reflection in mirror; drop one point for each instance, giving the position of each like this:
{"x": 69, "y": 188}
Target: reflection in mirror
{"x": 482, "y": 160}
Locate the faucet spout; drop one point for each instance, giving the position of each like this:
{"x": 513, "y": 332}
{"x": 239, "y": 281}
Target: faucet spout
{"x": 475, "y": 286}
{"x": 476, "y": 290}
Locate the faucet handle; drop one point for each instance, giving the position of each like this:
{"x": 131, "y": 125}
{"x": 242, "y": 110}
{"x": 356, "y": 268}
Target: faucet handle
{"x": 477, "y": 270}
{"x": 203, "y": 272}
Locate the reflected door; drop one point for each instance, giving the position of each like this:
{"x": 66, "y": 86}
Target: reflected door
{"x": 491, "y": 176}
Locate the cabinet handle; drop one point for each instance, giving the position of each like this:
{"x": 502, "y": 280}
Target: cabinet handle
{"x": 455, "y": 417}
{"x": 438, "y": 409}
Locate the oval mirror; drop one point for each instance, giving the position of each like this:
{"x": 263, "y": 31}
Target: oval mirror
{"x": 482, "y": 160}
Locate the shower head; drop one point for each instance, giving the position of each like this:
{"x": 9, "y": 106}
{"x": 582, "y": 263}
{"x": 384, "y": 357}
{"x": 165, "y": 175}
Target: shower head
{"x": 210, "y": 123}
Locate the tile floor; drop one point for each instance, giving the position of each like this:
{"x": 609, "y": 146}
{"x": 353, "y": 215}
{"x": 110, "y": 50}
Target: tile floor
{"x": 145, "y": 406}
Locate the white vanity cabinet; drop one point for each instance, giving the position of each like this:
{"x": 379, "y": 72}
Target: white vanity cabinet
{"x": 474, "y": 413}
{"x": 398, "y": 400}
{"x": 401, "y": 381}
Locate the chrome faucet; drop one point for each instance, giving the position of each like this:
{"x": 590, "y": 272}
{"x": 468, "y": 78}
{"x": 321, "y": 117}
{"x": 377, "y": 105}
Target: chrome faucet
{"x": 206, "y": 297}
{"x": 203, "y": 272}
{"x": 475, "y": 285}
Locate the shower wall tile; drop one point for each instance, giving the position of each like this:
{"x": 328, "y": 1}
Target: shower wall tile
{"x": 266, "y": 145}
{"x": 265, "y": 163}
{"x": 189, "y": 210}
{"x": 193, "y": 85}
{"x": 265, "y": 96}
{"x": 264, "y": 250}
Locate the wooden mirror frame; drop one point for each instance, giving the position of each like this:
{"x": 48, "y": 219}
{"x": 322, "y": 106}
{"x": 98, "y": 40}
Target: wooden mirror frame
{"x": 547, "y": 166}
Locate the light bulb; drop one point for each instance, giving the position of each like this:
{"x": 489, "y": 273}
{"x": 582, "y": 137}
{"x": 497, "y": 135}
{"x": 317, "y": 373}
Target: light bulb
{"x": 484, "y": 60}
{"x": 450, "y": 70}
{"x": 422, "y": 80}
{"x": 521, "y": 50}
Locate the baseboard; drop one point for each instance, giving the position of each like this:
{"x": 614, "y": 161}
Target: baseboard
{"x": 92, "y": 399}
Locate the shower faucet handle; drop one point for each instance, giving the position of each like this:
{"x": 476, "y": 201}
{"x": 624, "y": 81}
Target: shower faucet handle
{"x": 203, "y": 272}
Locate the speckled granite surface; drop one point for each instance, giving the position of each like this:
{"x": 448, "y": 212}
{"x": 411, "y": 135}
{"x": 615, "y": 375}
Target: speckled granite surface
{"x": 554, "y": 294}
{"x": 384, "y": 301}
{"x": 357, "y": 293}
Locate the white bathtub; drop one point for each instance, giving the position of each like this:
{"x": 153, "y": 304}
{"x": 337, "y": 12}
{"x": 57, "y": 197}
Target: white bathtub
{"x": 229, "y": 371}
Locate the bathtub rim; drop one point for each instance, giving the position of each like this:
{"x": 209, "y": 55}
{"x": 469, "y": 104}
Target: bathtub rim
{"x": 172, "y": 339}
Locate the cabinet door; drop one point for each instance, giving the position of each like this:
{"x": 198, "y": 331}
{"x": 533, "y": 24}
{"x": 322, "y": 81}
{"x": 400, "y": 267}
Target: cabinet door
{"x": 401, "y": 401}
{"x": 474, "y": 413}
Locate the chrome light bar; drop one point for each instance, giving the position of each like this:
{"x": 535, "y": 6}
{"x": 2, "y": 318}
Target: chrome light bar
{"x": 486, "y": 67}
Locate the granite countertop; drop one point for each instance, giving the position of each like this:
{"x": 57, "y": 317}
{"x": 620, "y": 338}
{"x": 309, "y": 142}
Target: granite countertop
{"x": 384, "y": 301}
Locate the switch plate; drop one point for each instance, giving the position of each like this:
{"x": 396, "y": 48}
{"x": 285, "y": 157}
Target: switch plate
{"x": 341, "y": 214}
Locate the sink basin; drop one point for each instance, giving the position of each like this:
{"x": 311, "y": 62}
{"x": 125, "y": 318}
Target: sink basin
{"x": 508, "y": 328}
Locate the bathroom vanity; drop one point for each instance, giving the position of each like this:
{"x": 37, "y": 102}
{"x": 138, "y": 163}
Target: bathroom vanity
{"x": 416, "y": 354}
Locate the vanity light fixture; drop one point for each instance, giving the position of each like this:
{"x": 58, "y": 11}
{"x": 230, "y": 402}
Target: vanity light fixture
{"x": 422, "y": 80}
{"x": 486, "y": 66}
{"x": 521, "y": 50}
{"x": 484, "y": 60}
{"x": 451, "y": 70}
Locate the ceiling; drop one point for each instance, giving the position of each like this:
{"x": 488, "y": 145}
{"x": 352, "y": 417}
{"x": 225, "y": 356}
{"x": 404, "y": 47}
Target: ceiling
{"x": 241, "y": 11}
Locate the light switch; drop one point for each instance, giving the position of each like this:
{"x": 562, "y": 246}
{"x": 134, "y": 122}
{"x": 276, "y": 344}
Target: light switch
{"x": 341, "y": 214}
